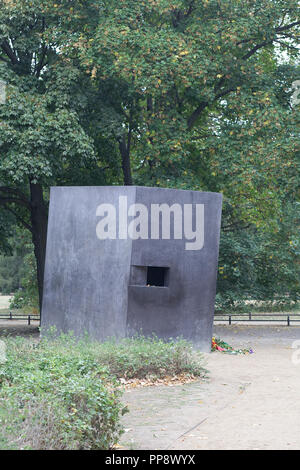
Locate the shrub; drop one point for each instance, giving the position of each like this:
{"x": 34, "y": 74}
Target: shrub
{"x": 141, "y": 357}
{"x": 63, "y": 393}
{"x": 57, "y": 396}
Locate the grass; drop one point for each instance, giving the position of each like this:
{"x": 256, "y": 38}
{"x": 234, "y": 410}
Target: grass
{"x": 142, "y": 357}
{"x": 63, "y": 393}
{"x": 20, "y": 311}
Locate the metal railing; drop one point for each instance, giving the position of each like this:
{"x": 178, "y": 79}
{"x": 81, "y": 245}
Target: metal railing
{"x": 287, "y": 318}
{"x": 17, "y": 316}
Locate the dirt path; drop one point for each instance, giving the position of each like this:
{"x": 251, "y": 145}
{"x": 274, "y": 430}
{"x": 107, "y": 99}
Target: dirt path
{"x": 19, "y": 328}
{"x": 5, "y": 301}
{"x": 249, "y": 402}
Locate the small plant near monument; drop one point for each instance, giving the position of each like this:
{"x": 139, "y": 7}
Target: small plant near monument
{"x": 57, "y": 396}
{"x": 62, "y": 393}
{"x": 142, "y": 358}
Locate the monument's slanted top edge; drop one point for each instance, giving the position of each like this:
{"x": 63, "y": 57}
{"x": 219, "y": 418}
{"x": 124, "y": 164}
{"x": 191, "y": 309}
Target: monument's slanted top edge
{"x": 138, "y": 187}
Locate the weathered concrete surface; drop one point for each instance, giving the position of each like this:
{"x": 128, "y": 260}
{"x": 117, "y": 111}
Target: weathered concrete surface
{"x": 86, "y": 279}
{"x": 186, "y": 306}
{"x": 99, "y": 286}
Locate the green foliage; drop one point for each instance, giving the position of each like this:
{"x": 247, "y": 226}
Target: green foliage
{"x": 45, "y": 134}
{"x": 204, "y": 97}
{"x": 184, "y": 94}
{"x": 62, "y": 393}
{"x": 6, "y": 231}
{"x": 10, "y": 274}
{"x": 27, "y": 294}
{"x": 142, "y": 357}
{"x": 260, "y": 265}
{"x": 165, "y": 66}
{"x": 12, "y": 264}
{"x": 58, "y": 396}
{"x": 18, "y": 271}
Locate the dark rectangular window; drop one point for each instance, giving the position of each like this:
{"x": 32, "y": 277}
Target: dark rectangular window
{"x": 157, "y": 276}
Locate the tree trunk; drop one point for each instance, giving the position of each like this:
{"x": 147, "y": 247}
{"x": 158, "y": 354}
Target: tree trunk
{"x": 39, "y": 233}
{"x": 125, "y": 155}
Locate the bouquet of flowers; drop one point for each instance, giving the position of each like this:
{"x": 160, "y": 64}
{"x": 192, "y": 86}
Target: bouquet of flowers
{"x": 219, "y": 345}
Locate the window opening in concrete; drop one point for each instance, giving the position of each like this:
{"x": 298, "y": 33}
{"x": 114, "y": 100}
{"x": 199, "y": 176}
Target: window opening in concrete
{"x": 157, "y": 276}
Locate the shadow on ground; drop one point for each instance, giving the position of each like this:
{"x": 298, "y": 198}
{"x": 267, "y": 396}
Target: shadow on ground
{"x": 19, "y": 328}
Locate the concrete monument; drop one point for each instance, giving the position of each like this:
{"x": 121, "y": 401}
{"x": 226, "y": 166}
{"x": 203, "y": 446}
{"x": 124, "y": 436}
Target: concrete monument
{"x": 126, "y": 260}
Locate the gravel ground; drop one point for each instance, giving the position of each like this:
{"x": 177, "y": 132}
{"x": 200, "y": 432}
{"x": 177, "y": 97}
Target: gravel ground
{"x": 19, "y": 328}
{"x": 249, "y": 402}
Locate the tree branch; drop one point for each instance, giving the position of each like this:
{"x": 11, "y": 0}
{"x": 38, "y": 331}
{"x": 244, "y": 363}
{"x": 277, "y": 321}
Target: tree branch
{"x": 194, "y": 116}
{"x": 41, "y": 63}
{"x": 255, "y": 49}
{"x": 9, "y": 52}
{"x": 286, "y": 45}
{"x": 288, "y": 26}
{"x": 21, "y": 196}
{"x": 18, "y": 217}
{"x": 14, "y": 200}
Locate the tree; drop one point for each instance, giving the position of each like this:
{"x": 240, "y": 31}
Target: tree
{"x": 15, "y": 267}
{"x": 163, "y": 66}
{"x": 204, "y": 102}
{"x": 43, "y": 139}
{"x": 179, "y": 93}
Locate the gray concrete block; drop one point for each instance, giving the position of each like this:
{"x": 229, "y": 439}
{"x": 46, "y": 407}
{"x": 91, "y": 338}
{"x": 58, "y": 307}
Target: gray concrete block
{"x": 123, "y": 286}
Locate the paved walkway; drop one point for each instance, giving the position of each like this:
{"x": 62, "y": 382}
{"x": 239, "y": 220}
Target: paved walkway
{"x": 5, "y": 301}
{"x": 249, "y": 402}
